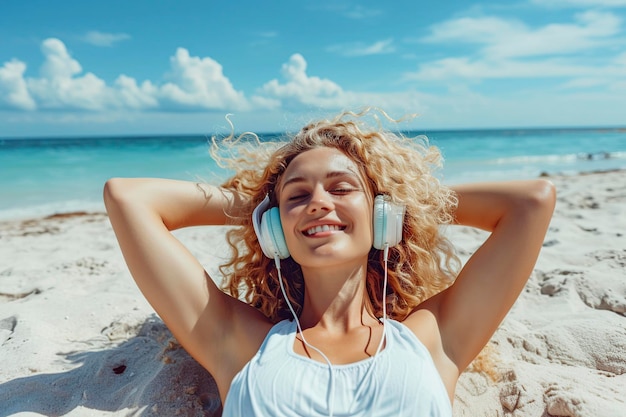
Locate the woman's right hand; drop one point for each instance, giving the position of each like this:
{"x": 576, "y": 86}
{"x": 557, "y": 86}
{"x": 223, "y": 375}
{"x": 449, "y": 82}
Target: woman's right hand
{"x": 220, "y": 332}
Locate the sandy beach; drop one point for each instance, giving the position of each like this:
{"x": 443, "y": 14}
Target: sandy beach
{"x": 78, "y": 339}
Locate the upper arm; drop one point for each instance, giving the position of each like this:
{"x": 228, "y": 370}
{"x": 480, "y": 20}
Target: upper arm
{"x": 142, "y": 212}
{"x": 517, "y": 214}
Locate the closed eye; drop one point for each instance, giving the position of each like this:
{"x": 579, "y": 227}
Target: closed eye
{"x": 342, "y": 191}
{"x": 297, "y": 197}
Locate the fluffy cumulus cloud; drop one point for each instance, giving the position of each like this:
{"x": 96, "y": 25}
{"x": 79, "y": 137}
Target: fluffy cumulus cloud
{"x": 299, "y": 88}
{"x": 13, "y": 90}
{"x": 194, "y": 84}
{"x": 132, "y": 96}
{"x": 60, "y": 86}
{"x": 199, "y": 82}
{"x": 58, "y": 62}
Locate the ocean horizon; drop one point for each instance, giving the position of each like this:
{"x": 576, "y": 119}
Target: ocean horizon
{"x": 43, "y": 176}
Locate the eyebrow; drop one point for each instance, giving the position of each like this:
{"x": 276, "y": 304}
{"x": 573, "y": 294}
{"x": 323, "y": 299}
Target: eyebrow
{"x": 332, "y": 174}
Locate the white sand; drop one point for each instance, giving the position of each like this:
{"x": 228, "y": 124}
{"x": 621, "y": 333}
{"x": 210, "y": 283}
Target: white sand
{"x": 78, "y": 339}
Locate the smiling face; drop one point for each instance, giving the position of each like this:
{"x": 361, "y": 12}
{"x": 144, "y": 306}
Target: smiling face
{"x": 325, "y": 209}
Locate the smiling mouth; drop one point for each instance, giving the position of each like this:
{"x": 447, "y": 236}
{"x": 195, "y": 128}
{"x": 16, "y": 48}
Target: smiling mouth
{"x": 323, "y": 228}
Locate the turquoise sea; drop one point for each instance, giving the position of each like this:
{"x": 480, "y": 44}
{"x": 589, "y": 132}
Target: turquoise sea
{"x": 46, "y": 176}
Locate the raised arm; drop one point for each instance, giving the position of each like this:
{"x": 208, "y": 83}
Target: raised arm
{"x": 217, "y": 330}
{"x": 517, "y": 214}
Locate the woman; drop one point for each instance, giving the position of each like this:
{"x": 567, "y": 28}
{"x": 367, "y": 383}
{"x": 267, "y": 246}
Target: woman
{"x": 313, "y": 319}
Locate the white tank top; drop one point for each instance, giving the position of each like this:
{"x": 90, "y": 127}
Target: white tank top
{"x": 400, "y": 381}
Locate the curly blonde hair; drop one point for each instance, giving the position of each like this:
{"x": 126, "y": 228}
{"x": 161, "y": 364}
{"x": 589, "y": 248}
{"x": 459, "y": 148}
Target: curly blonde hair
{"x": 423, "y": 264}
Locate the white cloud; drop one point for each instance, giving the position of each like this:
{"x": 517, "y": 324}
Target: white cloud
{"x": 360, "y": 49}
{"x": 299, "y": 88}
{"x": 194, "y": 84}
{"x": 473, "y": 30}
{"x": 510, "y": 49}
{"x": 510, "y": 38}
{"x": 13, "y": 89}
{"x": 591, "y": 30}
{"x": 199, "y": 82}
{"x": 466, "y": 68}
{"x": 58, "y": 62}
{"x": 130, "y": 95}
{"x": 265, "y": 103}
{"x": 580, "y": 3}
{"x": 97, "y": 38}
{"x": 60, "y": 87}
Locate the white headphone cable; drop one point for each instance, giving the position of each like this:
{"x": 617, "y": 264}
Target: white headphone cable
{"x": 331, "y": 385}
{"x": 331, "y": 399}
{"x": 383, "y": 319}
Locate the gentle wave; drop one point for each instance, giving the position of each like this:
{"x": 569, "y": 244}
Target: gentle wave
{"x": 48, "y": 176}
{"x": 539, "y": 159}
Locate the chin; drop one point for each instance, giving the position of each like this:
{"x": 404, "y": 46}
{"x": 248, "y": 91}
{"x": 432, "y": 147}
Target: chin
{"x": 328, "y": 257}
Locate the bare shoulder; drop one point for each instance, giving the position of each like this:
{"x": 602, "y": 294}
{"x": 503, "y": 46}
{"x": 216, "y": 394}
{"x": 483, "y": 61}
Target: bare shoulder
{"x": 225, "y": 352}
{"x": 251, "y": 328}
{"x": 424, "y": 323}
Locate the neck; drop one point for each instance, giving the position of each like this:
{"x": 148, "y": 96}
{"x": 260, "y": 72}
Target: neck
{"x": 336, "y": 299}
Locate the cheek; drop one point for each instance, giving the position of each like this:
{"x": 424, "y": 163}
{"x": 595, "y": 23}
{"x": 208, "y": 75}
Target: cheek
{"x": 287, "y": 220}
{"x": 363, "y": 226}
{"x": 368, "y": 233}
{"x": 366, "y": 229}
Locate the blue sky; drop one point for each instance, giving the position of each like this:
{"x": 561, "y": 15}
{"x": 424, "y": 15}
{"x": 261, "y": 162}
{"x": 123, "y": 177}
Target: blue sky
{"x": 158, "y": 67}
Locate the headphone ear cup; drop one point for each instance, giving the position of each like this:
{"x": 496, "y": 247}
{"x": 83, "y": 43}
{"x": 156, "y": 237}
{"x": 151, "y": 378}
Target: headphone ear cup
{"x": 272, "y": 235}
{"x": 388, "y": 222}
{"x": 379, "y": 222}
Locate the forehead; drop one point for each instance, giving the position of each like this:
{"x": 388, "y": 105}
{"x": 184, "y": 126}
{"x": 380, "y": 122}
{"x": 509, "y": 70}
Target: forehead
{"x": 319, "y": 162}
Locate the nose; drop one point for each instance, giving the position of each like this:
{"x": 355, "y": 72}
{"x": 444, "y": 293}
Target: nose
{"x": 320, "y": 201}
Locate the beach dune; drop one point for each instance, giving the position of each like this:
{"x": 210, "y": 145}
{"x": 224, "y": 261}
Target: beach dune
{"x": 77, "y": 337}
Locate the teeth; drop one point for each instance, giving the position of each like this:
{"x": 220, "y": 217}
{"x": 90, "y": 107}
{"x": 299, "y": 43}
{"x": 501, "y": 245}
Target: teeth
{"x": 324, "y": 228}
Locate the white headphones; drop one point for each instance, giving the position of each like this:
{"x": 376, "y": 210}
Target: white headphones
{"x": 388, "y": 220}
